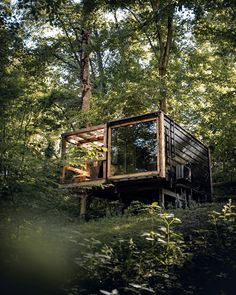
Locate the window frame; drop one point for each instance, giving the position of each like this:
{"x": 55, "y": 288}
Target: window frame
{"x": 156, "y": 119}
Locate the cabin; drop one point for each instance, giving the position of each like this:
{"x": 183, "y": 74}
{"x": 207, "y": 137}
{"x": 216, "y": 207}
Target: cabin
{"x": 147, "y": 158}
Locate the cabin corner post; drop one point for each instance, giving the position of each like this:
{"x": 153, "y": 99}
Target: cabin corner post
{"x": 162, "y": 158}
{"x": 62, "y": 165}
{"x": 108, "y": 151}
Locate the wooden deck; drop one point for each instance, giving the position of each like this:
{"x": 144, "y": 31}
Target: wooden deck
{"x": 89, "y": 183}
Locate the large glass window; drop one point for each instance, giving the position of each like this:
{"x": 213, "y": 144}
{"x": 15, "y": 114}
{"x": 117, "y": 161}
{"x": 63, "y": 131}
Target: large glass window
{"x": 134, "y": 148}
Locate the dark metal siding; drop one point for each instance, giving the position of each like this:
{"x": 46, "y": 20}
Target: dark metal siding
{"x": 183, "y": 149}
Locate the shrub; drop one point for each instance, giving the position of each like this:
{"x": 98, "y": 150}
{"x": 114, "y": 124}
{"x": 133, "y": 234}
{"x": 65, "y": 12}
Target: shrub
{"x": 143, "y": 263}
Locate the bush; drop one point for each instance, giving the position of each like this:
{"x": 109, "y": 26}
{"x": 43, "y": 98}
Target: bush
{"x": 142, "y": 263}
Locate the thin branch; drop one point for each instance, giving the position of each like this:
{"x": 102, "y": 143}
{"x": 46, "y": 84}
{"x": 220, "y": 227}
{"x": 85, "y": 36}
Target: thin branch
{"x": 65, "y": 61}
{"x": 145, "y": 32}
{"x": 67, "y": 118}
{"x": 69, "y": 39}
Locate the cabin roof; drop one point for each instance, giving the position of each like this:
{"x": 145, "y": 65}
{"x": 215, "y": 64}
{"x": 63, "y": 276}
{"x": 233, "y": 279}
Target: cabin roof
{"x": 87, "y": 136}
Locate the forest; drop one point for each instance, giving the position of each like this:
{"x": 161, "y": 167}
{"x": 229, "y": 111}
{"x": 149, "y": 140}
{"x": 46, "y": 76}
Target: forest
{"x": 70, "y": 64}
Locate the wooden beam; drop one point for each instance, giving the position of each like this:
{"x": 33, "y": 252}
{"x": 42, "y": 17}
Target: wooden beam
{"x": 134, "y": 175}
{"x": 87, "y": 183}
{"x": 100, "y": 138}
{"x": 84, "y": 130}
{"x": 133, "y": 122}
{"x": 162, "y": 156}
{"x": 77, "y": 170}
{"x": 169, "y": 193}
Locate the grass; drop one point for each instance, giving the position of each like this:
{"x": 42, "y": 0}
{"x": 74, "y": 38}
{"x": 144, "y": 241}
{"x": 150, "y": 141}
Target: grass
{"x": 47, "y": 246}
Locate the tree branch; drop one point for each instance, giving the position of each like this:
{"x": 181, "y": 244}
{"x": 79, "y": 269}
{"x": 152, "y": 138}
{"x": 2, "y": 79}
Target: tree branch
{"x": 145, "y": 32}
{"x": 65, "y": 61}
{"x": 69, "y": 39}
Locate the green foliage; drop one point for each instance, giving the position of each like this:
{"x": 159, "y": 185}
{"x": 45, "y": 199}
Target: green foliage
{"x": 147, "y": 250}
{"x": 141, "y": 262}
{"x": 79, "y": 156}
{"x": 146, "y": 253}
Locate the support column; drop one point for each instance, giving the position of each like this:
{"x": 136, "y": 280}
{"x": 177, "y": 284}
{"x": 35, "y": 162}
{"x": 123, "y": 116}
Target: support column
{"x": 161, "y": 198}
{"x": 83, "y": 205}
{"x": 162, "y": 160}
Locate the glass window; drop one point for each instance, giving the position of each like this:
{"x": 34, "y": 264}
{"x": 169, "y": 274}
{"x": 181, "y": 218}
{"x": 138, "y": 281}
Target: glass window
{"x": 134, "y": 148}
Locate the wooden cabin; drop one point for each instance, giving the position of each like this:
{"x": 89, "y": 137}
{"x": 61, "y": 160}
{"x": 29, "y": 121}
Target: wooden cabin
{"x": 148, "y": 158}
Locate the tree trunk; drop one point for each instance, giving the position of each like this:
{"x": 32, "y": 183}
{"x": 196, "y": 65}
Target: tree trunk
{"x": 102, "y": 82}
{"x": 84, "y": 72}
{"x": 165, "y": 42}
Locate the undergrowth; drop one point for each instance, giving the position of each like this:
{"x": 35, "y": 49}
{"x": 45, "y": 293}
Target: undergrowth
{"x": 144, "y": 251}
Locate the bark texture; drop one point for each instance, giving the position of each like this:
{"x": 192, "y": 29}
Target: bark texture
{"x": 84, "y": 71}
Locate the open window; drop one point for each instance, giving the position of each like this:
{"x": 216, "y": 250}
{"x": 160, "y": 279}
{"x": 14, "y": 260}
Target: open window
{"x": 84, "y": 153}
{"x": 133, "y": 148}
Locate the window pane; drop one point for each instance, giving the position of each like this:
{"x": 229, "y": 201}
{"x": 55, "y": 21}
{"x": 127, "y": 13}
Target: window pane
{"x": 133, "y": 148}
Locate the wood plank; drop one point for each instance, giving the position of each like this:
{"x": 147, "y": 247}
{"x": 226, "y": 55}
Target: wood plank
{"x": 138, "y": 118}
{"x": 133, "y": 122}
{"x": 88, "y": 183}
{"x": 77, "y": 170}
{"x": 162, "y": 157}
{"x": 79, "y": 142}
{"x": 134, "y": 175}
{"x": 84, "y": 130}
{"x": 169, "y": 193}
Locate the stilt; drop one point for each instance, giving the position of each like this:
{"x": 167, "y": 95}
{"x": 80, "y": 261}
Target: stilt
{"x": 161, "y": 198}
{"x": 83, "y": 203}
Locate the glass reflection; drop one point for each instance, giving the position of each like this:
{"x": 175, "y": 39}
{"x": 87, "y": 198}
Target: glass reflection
{"x": 134, "y": 148}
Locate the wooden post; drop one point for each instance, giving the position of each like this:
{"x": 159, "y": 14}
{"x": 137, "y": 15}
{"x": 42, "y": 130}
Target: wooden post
{"x": 63, "y": 153}
{"x": 109, "y": 152}
{"x": 83, "y": 203}
{"x": 162, "y": 156}
{"x": 161, "y": 198}
{"x": 158, "y": 145}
